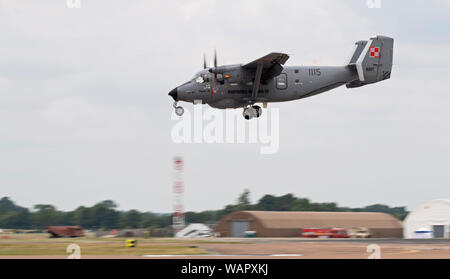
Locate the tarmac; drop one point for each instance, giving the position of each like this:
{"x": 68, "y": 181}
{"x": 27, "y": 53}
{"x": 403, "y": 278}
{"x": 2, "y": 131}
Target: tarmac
{"x": 297, "y": 248}
{"x": 301, "y": 248}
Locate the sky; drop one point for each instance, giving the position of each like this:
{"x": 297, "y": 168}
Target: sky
{"x": 85, "y": 115}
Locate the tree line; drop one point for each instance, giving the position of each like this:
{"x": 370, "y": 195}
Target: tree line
{"x": 105, "y": 215}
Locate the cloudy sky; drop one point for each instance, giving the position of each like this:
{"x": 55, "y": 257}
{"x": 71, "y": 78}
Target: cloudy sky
{"x": 85, "y": 116}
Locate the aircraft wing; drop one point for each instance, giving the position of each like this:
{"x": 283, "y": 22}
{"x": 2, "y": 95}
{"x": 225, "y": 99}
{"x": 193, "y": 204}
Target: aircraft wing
{"x": 266, "y": 67}
{"x": 268, "y": 61}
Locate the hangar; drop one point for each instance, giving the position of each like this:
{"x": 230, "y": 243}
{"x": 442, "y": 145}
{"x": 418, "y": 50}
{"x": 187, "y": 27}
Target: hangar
{"x": 429, "y": 220}
{"x": 290, "y": 223}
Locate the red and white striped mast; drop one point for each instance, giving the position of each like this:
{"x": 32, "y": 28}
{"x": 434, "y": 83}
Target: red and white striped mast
{"x": 178, "y": 191}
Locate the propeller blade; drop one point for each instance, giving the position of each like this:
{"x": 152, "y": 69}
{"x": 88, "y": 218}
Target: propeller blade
{"x": 215, "y": 58}
{"x": 204, "y": 61}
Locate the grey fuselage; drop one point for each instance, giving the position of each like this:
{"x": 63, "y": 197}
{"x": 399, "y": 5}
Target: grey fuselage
{"x": 235, "y": 91}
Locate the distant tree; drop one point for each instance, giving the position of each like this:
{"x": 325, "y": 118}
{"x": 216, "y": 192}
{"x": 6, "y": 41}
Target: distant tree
{"x": 23, "y": 219}
{"x": 301, "y": 205}
{"x": 108, "y": 204}
{"x": 67, "y": 218}
{"x": 149, "y": 220}
{"x": 209, "y": 216}
{"x": 46, "y": 215}
{"x": 267, "y": 202}
{"x": 20, "y": 219}
{"x": 130, "y": 219}
{"x": 285, "y": 202}
{"x": 6, "y": 205}
{"x": 82, "y": 217}
{"x": 244, "y": 198}
{"x": 398, "y": 212}
{"x": 152, "y": 220}
{"x": 105, "y": 214}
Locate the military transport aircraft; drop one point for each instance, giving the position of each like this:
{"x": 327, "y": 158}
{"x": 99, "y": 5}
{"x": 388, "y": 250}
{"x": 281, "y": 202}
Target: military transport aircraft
{"x": 266, "y": 80}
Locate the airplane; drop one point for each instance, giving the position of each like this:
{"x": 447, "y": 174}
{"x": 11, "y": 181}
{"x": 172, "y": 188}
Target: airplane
{"x": 266, "y": 80}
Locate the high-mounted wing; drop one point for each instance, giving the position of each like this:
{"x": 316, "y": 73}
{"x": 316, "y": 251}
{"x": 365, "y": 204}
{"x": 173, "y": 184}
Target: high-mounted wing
{"x": 268, "y": 61}
{"x": 266, "y": 67}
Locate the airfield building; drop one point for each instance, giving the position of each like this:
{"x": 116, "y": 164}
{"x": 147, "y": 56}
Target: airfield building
{"x": 291, "y": 223}
{"x": 429, "y": 220}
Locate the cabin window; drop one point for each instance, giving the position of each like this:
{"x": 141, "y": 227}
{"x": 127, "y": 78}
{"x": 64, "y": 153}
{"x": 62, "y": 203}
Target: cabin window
{"x": 199, "y": 80}
{"x": 282, "y": 81}
{"x": 296, "y": 71}
{"x": 205, "y": 77}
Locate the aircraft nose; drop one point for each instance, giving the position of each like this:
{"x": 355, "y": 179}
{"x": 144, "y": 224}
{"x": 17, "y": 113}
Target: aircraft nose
{"x": 174, "y": 93}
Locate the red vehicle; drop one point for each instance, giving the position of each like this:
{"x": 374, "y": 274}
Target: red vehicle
{"x": 65, "y": 231}
{"x": 325, "y": 233}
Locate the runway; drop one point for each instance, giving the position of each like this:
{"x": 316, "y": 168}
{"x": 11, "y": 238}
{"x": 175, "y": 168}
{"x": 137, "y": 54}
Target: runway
{"x": 302, "y": 248}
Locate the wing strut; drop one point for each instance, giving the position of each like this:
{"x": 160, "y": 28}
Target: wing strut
{"x": 259, "y": 70}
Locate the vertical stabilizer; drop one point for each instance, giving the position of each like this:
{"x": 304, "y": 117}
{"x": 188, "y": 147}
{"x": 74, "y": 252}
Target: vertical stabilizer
{"x": 372, "y": 60}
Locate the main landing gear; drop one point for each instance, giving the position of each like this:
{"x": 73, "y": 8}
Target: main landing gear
{"x": 248, "y": 113}
{"x": 252, "y": 112}
{"x": 179, "y": 110}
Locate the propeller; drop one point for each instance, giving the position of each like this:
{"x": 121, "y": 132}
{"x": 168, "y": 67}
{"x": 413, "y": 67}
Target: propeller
{"x": 204, "y": 61}
{"x": 215, "y": 60}
{"x": 212, "y": 69}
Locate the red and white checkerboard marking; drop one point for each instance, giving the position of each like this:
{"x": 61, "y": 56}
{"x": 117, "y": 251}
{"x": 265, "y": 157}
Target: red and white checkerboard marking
{"x": 374, "y": 52}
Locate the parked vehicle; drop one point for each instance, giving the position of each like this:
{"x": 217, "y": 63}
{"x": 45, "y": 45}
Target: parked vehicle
{"x": 65, "y": 231}
{"x": 325, "y": 233}
{"x": 359, "y": 232}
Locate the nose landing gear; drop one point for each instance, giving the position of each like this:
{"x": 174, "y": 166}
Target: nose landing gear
{"x": 252, "y": 112}
{"x": 179, "y": 110}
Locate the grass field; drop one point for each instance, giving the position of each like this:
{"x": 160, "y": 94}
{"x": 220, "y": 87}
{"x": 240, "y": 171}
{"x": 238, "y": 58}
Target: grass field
{"x": 40, "y": 244}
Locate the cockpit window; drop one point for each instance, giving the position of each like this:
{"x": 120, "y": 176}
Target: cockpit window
{"x": 200, "y": 78}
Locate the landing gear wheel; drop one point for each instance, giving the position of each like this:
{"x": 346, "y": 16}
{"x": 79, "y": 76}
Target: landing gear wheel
{"x": 179, "y": 111}
{"x": 247, "y": 113}
{"x": 252, "y": 112}
{"x": 258, "y": 110}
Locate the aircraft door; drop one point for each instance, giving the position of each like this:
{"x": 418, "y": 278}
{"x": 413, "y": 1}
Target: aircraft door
{"x": 281, "y": 81}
